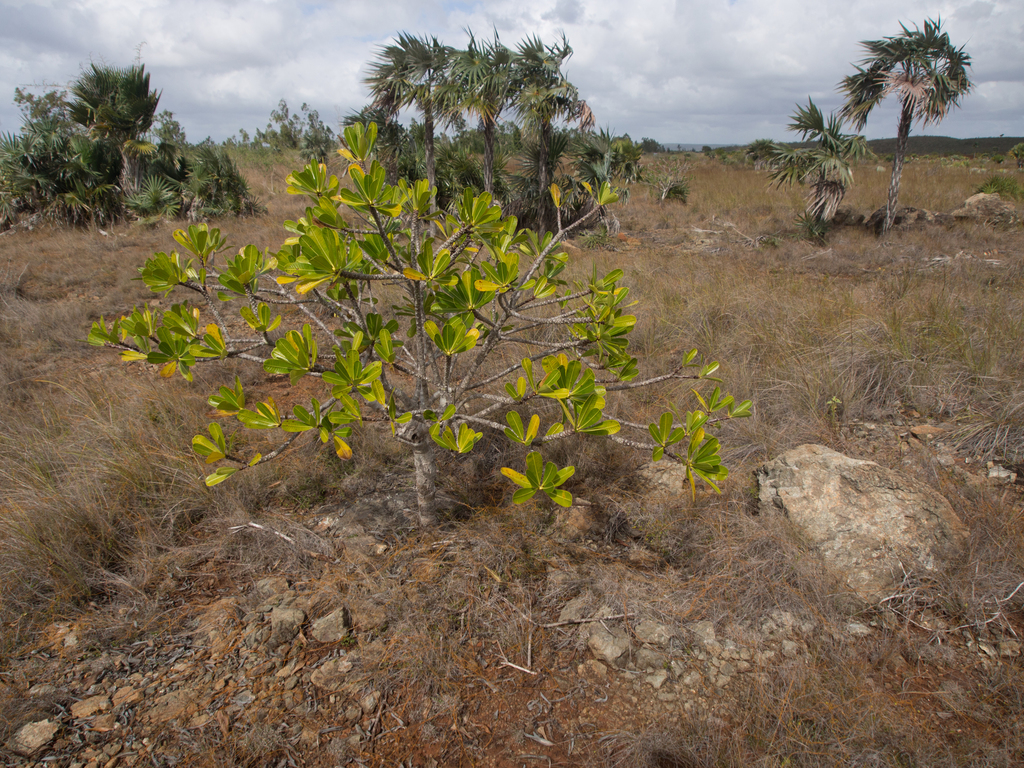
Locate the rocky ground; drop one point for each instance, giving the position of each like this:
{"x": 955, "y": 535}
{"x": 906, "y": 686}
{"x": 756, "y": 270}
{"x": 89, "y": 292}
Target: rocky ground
{"x": 267, "y": 670}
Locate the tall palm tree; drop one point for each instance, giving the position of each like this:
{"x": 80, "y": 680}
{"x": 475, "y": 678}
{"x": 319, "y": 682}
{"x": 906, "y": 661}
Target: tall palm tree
{"x": 826, "y": 166}
{"x": 923, "y": 70}
{"x": 116, "y": 105}
{"x": 484, "y": 82}
{"x": 546, "y": 96}
{"x": 411, "y": 72}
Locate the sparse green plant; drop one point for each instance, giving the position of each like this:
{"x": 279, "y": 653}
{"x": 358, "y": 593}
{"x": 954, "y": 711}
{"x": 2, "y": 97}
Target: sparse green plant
{"x": 1017, "y": 153}
{"x": 1004, "y": 186}
{"x": 827, "y": 165}
{"x": 482, "y": 286}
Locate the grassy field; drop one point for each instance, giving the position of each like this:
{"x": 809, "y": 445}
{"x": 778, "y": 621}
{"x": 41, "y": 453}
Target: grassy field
{"x": 101, "y": 498}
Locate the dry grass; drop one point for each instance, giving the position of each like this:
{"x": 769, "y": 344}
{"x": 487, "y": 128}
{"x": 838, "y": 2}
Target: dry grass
{"x": 100, "y": 495}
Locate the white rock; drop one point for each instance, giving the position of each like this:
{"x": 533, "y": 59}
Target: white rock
{"x": 33, "y": 737}
{"x": 867, "y": 522}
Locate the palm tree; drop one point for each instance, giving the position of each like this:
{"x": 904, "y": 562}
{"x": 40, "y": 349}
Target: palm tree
{"x": 116, "y": 105}
{"x": 921, "y": 68}
{"x": 544, "y": 97}
{"x": 483, "y": 81}
{"x": 411, "y": 72}
{"x": 826, "y": 165}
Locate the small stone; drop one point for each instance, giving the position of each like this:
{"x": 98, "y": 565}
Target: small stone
{"x": 668, "y": 696}
{"x": 592, "y": 668}
{"x": 170, "y": 706}
{"x": 727, "y": 669}
{"x": 104, "y": 723}
{"x": 722, "y": 681}
{"x": 652, "y": 632}
{"x": 284, "y": 626}
{"x": 291, "y": 682}
{"x": 89, "y": 707}
{"x": 856, "y": 629}
{"x": 331, "y": 675}
{"x": 650, "y": 659}
{"x": 1009, "y": 649}
{"x": 574, "y": 609}
{"x": 607, "y": 645}
{"x": 369, "y": 702}
{"x": 272, "y": 585}
{"x": 1002, "y": 475}
{"x": 704, "y": 631}
{"x": 126, "y": 696}
{"x": 988, "y": 649}
{"x": 353, "y": 713}
{"x": 331, "y": 628}
{"x": 657, "y": 679}
{"x": 33, "y": 737}
{"x": 42, "y": 689}
{"x": 926, "y": 431}
{"x": 790, "y": 649}
{"x": 692, "y": 679}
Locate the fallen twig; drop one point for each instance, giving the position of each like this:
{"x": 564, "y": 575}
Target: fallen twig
{"x": 585, "y": 621}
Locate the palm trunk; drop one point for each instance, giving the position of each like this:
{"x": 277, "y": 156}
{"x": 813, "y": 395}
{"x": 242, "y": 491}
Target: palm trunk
{"x": 543, "y": 200}
{"x": 428, "y": 142}
{"x": 902, "y": 136}
{"x": 488, "y": 156}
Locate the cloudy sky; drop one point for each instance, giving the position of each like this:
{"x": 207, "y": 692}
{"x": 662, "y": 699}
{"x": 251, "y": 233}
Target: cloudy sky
{"x": 693, "y": 71}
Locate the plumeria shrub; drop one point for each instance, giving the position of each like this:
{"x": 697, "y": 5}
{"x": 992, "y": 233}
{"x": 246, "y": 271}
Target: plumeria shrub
{"x": 432, "y": 325}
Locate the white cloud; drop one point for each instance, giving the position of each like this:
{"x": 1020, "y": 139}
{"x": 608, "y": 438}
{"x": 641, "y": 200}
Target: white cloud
{"x": 709, "y": 71}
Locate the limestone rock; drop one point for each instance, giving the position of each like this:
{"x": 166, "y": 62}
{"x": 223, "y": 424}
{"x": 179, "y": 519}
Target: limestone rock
{"x": 33, "y": 737}
{"x": 331, "y": 676}
{"x": 272, "y": 585}
{"x": 867, "y": 522}
{"x": 171, "y": 706}
{"x": 332, "y": 627}
{"x": 652, "y": 632}
{"x": 845, "y": 216}
{"x": 906, "y": 218}
{"x": 366, "y": 615}
{"x": 89, "y": 707}
{"x": 608, "y": 644}
{"x": 666, "y": 477}
{"x": 703, "y": 631}
{"x": 284, "y": 625}
{"x": 580, "y": 521}
{"x": 989, "y": 209}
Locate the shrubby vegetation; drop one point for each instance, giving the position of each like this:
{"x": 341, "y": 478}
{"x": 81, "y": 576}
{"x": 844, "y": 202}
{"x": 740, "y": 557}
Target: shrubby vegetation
{"x": 422, "y": 311}
{"x": 104, "y": 155}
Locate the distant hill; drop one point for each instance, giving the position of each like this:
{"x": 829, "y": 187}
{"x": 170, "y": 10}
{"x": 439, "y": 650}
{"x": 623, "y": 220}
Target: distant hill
{"x": 944, "y": 145}
{"x": 935, "y": 145}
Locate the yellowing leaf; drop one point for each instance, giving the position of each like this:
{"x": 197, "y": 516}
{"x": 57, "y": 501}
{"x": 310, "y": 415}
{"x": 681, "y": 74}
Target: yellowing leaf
{"x": 168, "y": 370}
{"x": 556, "y": 195}
{"x": 341, "y": 448}
{"x": 412, "y": 274}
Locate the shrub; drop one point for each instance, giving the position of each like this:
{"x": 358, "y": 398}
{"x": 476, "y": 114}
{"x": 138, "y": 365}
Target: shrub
{"x": 1004, "y": 186}
{"x": 479, "y": 294}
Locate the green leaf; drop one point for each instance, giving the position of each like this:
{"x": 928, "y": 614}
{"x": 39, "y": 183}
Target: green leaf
{"x": 220, "y": 475}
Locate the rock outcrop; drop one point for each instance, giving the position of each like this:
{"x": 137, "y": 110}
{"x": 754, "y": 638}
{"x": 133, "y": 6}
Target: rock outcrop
{"x": 988, "y": 209}
{"x": 870, "y": 524}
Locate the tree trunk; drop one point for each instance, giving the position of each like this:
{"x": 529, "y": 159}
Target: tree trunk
{"x": 543, "y": 201}
{"x": 428, "y": 142}
{"x": 425, "y": 464}
{"x": 488, "y": 156}
{"x": 902, "y": 135}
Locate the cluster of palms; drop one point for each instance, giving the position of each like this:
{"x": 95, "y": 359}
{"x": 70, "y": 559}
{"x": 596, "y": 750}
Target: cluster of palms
{"x": 92, "y": 160}
{"x": 485, "y": 82}
{"x": 920, "y": 67}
